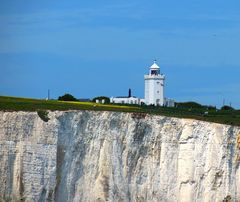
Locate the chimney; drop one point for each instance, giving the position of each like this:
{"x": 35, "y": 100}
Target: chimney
{"x": 129, "y": 93}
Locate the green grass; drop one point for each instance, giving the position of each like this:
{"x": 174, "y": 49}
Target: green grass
{"x": 231, "y": 117}
{"x": 28, "y": 104}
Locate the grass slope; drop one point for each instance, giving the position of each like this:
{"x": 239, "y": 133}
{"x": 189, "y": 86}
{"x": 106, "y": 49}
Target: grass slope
{"x": 231, "y": 117}
{"x": 28, "y": 104}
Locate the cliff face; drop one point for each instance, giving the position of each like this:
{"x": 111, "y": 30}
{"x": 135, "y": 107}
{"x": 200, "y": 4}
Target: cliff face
{"x": 110, "y": 156}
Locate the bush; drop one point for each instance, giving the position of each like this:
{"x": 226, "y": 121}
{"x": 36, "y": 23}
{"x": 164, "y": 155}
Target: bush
{"x": 225, "y": 107}
{"x": 43, "y": 115}
{"x": 100, "y": 98}
{"x": 189, "y": 105}
{"x": 67, "y": 97}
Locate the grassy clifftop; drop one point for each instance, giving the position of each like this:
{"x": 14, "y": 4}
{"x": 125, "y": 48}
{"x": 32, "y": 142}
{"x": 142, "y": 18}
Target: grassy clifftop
{"x": 231, "y": 117}
{"x": 28, "y": 104}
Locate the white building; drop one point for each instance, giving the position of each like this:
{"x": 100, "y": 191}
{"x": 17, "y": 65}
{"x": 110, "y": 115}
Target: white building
{"x": 126, "y": 99}
{"x": 169, "y": 102}
{"x": 154, "y": 86}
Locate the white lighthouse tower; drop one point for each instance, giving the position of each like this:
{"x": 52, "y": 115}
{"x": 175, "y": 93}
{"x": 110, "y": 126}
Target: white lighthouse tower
{"x": 154, "y": 86}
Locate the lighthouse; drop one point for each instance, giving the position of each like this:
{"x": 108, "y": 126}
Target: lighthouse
{"x": 154, "y": 86}
{"x": 154, "y": 91}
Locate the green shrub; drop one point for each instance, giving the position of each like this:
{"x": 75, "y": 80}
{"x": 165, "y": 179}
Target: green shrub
{"x": 43, "y": 115}
{"x": 67, "y": 97}
{"x": 225, "y": 107}
{"x": 189, "y": 105}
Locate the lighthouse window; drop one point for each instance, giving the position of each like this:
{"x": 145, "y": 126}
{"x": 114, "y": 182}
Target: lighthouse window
{"x": 154, "y": 72}
{"x": 157, "y": 91}
{"x": 158, "y": 82}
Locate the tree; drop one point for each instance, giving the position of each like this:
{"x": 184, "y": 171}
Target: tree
{"x": 225, "y": 107}
{"x": 67, "y": 97}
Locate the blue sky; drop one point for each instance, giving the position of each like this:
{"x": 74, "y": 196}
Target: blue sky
{"x": 91, "y": 48}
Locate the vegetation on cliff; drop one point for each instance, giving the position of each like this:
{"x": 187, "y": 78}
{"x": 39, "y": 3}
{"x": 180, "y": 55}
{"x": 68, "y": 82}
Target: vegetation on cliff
{"x": 211, "y": 114}
{"x": 28, "y": 104}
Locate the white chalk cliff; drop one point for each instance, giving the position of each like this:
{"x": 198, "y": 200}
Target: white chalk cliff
{"x": 111, "y": 156}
